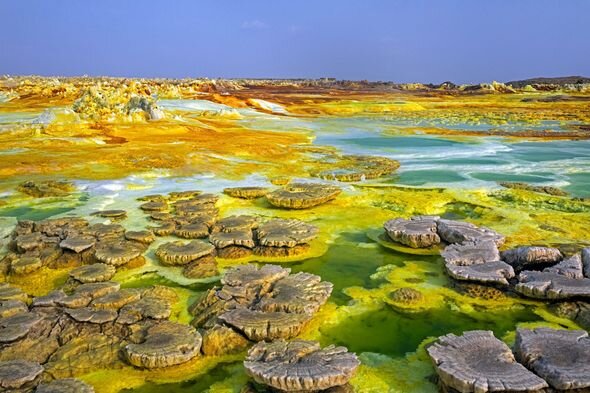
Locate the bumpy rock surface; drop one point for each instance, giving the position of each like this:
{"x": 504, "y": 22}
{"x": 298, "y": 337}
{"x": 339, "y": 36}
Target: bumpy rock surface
{"x": 145, "y": 237}
{"x": 110, "y": 213}
{"x": 561, "y": 357}
{"x": 234, "y": 231}
{"x": 547, "y": 285}
{"x": 238, "y": 237}
{"x": 578, "y": 311}
{"x": 246, "y": 192}
{"x": 286, "y": 233}
{"x": 264, "y": 325}
{"x": 524, "y": 257}
{"x": 9, "y": 308}
{"x": 302, "y": 195}
{"x": 406, "y": 295}
{"x": 358, "y": 168}
{"x": 478, "y": 362}
{"x": 471, "y": 253}
{"x": 15, "y": 374}
{"x": 77, "y": 243}
{"x": 166, "y": 344}
{"x": 181, "y": 253}
{"x": 496, "y": 272}
{"x": 261, "y": 303}
{"x": 234, "y": 223}
{"x": 117, "y": 253}
{"x": 85, "y": 330}
{"x": 10, "y": 292}
{"x": 65, "y": 385}
{"x": 93, "y": 273}
{"x": 570, "y": 267}
{"x": 477, "y": 260}
{"x": 417, "y": 232}
{"x": 154, "y": 206}
{"x": 44, "y": 189}
{"x": 459, "y": 231}
{"x": 300, "y": 366}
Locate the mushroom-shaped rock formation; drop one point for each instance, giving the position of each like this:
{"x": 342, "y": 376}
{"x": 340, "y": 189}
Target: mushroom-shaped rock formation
{"x": 117, "y": 253}
{"x": 233, "y": 223}
{"x": 106, "y": 231}
{"x": 116, "y": 300}
{"x": 300, "y": 366}
{"x": 193, "y": 230}
{"x": 302, "y": 293}
{"x": 471, "y": 253}
{"x": 17, "y": 326}
{"x": 578, "y": 311}
{"x": 181, "y": 253}
{"x": 561, "y": 357}
{"x": 85, "y": 293}
{"x": 29, "y": 241}
{"x": 478, "y": 362}
{"x": 25, "y": 264}
{"x": 90, "y": 336}
{"x": 93, "y": 273}
{"x": 78, "y": 243}
{"x": 52, "y": 299}
{"x": 570, "y": 267}
{"x": 302, "y": 195}
{"x": 152, "y": 198}
{"x": 417, "y": 232}
{"x": 459, "y": 231}
{"x": 110, "y": 213}
{"x": 285, "y": 233}
{"x": 92, "y": 315}
{"x": 250, "y": 276}
{"x": 193, "y": 210}
{"x": 258, "y": 325}
{"x": 47, "y": 188}
{"x": 166, "y": 344}
{"x": 177, "y": 195}
{"x": 547, "y": 285}
{"x": 201, "y": 268}
{"x": 221, "y": 340}
{"x": 166, "y": 228}
{"x": 161, "y": 216}
{"x": 477, "y": 260}
{"x": 145, "y": 237}
{"x": 246, "y": 192}
{"x": 354, "y": 168}
{"x": 496, "y": 272}
{"x": 147, "y": 307}
{"x": 12, "y": 307}
{"x": 238, "y": 237}
{"x": 262, "y": 303}
{"x": 11, "y": 292}
{"x": 15, "y": 374}
{"x": 205, "y": 199}
{"x": 154, "y": 206}
{"x": 65, "y": 385}
{"x": 406, "y": 295}
{"x": 524, "y": 257}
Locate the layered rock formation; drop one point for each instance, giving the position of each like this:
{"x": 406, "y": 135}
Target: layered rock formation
{"x": 257, "y": 304}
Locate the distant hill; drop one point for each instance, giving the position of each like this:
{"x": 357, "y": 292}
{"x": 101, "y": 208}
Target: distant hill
{"x": 561, "y": 81}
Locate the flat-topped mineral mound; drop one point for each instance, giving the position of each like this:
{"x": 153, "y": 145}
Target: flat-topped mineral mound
{"x": 300, "y": 366}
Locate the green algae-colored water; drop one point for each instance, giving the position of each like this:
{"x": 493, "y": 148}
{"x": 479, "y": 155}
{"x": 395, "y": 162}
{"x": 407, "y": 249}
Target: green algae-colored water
{"x": 395, "y": 333}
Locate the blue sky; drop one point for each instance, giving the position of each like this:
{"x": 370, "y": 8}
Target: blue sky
{"x": 428, "y": 41}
